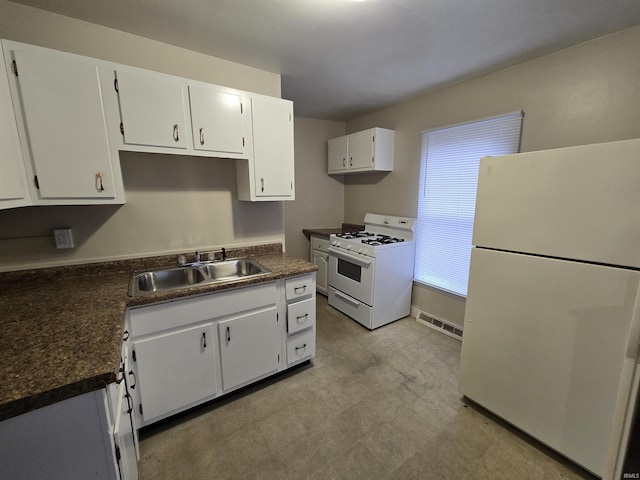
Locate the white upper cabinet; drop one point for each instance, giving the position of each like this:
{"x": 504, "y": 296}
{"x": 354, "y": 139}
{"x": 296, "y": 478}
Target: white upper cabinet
{"x": 152, "y": 108}
{"x": 13, "y": 187}
{"x": 338, "y": 153}
{"x": 366, "y": 151}
{"x": 62, "y": 126}
{"x": 270, "y": 176}
{"x": 217, "y": 120}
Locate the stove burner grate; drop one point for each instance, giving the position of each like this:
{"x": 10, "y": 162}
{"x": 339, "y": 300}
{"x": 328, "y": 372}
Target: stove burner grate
{"x": 382, "y": 240}
{"x": 350, "y": 235}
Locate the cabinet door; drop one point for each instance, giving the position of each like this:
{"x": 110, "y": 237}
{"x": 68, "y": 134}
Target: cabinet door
{"x": 216, "y": 120}
{"x": 321, "y": 259}
{"x": 64, "y": 120}
{"x": 272, "y": 120}
{"x": 123, "y": 435}
{"x": 337, "y": 153}
{"x": 13, "y": 187}
{"x": 361, "y": 149}
{"x": 152, "y": 109}
{"x": 249, "y": 347}
{"x": 175, "y": 370}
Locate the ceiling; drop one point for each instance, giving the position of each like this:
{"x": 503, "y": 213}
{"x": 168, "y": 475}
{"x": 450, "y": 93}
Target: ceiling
{"x": 340, "y": 59}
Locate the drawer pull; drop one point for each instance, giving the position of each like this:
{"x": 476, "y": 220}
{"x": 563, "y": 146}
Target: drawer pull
{"x": 204, "y": 340}
{"x": 301, "y": 348}
{"x": 305, "y": 316}
{"x": 132, "y": 374}
{"x": 299, "y": 289}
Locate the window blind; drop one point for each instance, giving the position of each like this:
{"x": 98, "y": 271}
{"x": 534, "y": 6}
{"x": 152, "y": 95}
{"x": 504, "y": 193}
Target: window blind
{"x": 446, "y": 202}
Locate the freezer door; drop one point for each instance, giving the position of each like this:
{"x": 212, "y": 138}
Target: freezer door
{"x": 544, "y": 348}
{"x": 577, "y": 203}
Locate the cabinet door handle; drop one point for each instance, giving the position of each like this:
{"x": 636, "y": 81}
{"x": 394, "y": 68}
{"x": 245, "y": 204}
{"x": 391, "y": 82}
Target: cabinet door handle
{"x": 262, "y": 184}
{"x": 176, "y": 133}
{"x": 351, "y": 161}
{"x": 204, "y": 340}
{"x": 344, "y": 162}
{"x": 129, "y": 403}
{"x": 228, "y": 335}
{"x": 132, "y": 374}
{"x": 202, "y": 136}
{"x": 100, "y": 185}
{"x": 305, "y": 316}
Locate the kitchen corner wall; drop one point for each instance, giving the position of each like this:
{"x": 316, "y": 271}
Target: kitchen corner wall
{"x": 319, "y": 197}
{"x": 589, "y": 93}
{"x": 174, "y": 203}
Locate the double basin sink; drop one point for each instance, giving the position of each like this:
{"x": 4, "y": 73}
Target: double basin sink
{"x": 194, "y": 274}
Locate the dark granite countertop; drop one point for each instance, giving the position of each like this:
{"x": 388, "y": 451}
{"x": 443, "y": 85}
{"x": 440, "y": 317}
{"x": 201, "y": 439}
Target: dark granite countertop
{"x": 325, "y": 232}
{"x": 61, "y": 327}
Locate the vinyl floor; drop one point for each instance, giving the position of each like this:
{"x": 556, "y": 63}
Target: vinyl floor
{"x": 371, "y": 405}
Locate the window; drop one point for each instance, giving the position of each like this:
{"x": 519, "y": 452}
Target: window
{"x": 446, "y": 202}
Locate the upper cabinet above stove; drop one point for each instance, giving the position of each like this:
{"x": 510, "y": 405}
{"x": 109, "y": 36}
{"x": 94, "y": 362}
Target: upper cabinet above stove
{"x": 366, "y": 151}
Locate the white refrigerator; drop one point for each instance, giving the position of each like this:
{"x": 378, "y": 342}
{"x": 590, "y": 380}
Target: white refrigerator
{"x": 552, "y": 320}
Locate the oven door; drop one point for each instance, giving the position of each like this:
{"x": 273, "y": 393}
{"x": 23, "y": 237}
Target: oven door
{"x": 352, "y": 274}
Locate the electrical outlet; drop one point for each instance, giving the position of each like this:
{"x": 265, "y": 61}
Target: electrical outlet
{"x": 63, "y": 237}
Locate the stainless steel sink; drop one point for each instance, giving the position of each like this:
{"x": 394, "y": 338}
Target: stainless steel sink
{"x": 201, "y": 273}
{"x": 233, "y": 268}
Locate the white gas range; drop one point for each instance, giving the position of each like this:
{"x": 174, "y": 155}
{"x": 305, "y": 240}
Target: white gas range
{"x": 371, "y": 271}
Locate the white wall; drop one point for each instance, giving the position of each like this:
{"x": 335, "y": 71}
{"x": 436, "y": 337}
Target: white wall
{"x": 319, "y": 198}
{"x": 589, "y": 93}
{"x": 174, "y": 203}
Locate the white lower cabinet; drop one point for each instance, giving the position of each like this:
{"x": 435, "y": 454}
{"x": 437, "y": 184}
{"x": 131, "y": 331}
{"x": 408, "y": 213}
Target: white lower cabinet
{"x": 175, "y": 370}
{"x": 73, "y": 438}
{"x": 300, "y": 295}
{"x": 192, "y": 350}
{"x": 249, "y": 347}
{"x": 319, "y": 254}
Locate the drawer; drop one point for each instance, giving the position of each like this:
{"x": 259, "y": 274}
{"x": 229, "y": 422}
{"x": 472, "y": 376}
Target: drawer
{"x": 301, "y": 315}
{"x": 200, "y": 308}
{"x": 298, "y": 287}
{"x": 301, "y": 346}
{"x": 319, "y": 243}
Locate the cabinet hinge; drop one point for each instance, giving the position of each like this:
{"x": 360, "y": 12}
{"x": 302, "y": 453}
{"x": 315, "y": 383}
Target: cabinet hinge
{"x": 14, "y": 65}
{"x": 122, "y": 128}
{"x": 140, "y": 409}
{"x": 115, "y": 85}
{"x": 36, "y": 182}
{"x": 133, "y": 355}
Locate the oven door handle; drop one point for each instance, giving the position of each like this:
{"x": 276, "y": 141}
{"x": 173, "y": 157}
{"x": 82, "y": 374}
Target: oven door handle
{"x": 347, "y": 299}
{"x": 365, "y": 262}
